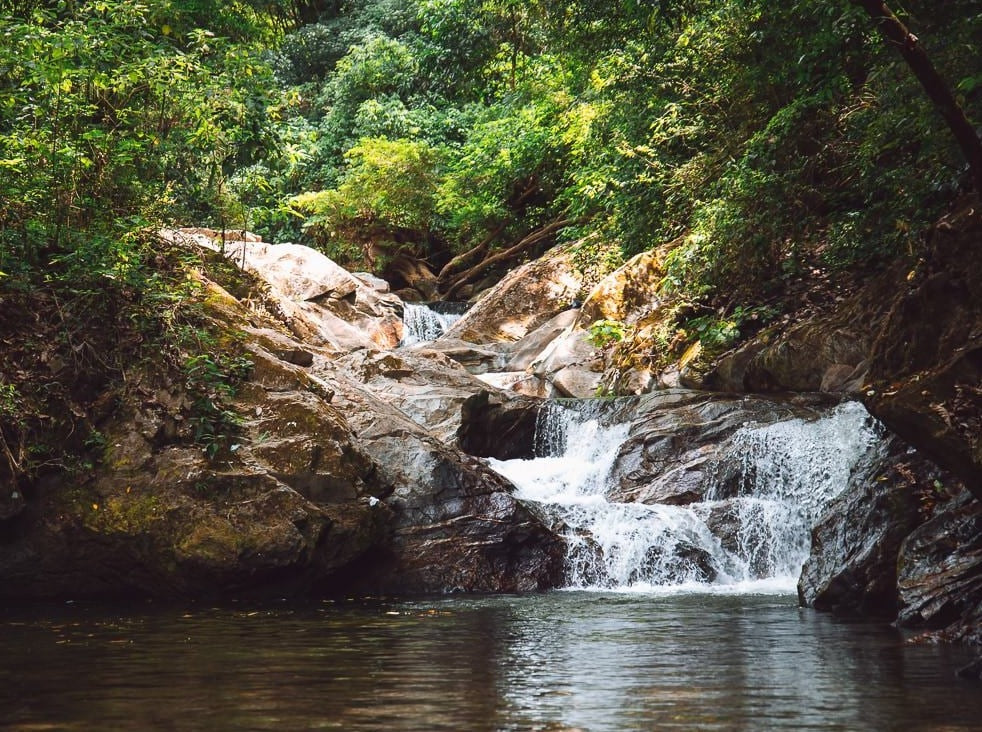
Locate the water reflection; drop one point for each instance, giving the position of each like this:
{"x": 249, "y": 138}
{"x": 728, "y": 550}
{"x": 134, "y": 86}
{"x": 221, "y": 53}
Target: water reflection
{"x": 559, "y": 661}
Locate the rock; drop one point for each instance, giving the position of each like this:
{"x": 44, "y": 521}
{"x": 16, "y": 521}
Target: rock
{"x": 527, "y": 350}
{"x": 926, "y": 359}
{"x": 318, "y": 487}
{"x": 852, "y": 568}
{"x": 940, "y": 574}
{"x": 457, "y": 526}
{"x": 523, "y": 300}
{"x": 678, "y": 445}
{"x": 283, "y": 508}
{"x": 406, "y": 272}
{"x": 477, "y": 359}
{"x": 316, "y": 298}
{"x": 627, "y": 293}
{"x": 521, "y": 383}
{"x": 571, "y": 364}
{"x": 821, "y": 354}
{"x": 426, "y": 386}
{"x": 503, "y": 429}
{"x": 376, "y": 283}
{"x": 220, "y": 235}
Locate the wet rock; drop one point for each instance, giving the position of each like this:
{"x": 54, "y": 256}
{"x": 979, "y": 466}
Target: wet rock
{"x": 852, "y": 568}
{"x": 678, "y": 444}
{"x": 318, "y": 487}
{"x": 457, "y": 526}
{"x": 500, "y": 429}
{"x": 971, "y": 670}
{"x": 523, "y": 300}
{"x": 940, "y": 574}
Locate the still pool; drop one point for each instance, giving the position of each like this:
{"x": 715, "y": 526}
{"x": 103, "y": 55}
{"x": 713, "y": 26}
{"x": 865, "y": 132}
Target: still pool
{"x": 555, "y": 661}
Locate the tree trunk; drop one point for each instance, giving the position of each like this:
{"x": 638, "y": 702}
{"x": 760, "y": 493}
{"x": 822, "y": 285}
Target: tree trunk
{"x": 517, "y": 248}
{"x": 906, "y": 42}
{"x": 465, "y": 260}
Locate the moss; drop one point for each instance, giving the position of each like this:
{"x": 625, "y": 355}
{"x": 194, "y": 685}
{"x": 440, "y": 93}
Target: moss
{"x": 131, "y": 513}
{"x": 214, "y": 540}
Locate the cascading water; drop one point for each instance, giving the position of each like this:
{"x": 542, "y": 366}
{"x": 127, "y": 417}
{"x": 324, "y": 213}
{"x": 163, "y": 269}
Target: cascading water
{"x": 757, "y": 533}
{"x": 423, "y": 323}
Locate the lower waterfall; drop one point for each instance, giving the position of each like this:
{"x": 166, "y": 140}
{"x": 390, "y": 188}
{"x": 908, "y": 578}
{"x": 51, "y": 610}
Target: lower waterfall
{"x": 751, "y": 534}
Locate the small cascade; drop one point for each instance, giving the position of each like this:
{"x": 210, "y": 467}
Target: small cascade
{"x": 425, "y": 323}
{"x": 755, "y": 531}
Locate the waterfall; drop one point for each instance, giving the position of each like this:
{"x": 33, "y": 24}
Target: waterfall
{"x": 755, "y": 533}
{"x": 423, "y": 323}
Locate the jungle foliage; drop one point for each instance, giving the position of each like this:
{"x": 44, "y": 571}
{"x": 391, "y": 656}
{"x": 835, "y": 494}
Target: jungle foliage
{"x": 766, "y": 141}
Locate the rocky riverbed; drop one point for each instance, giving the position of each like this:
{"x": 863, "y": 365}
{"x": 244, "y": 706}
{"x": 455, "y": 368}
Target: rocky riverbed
{"x": 358, "y": 465}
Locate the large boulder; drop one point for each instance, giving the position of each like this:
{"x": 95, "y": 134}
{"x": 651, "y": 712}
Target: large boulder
{"x": 852, "y": 568}
{"x": 571, "y": 363}
{"x": 320, "y": 301}
{"x": 290, "y": 504}
{"x": 819, "y": 354}
{"x": 628, "y": 292}
{"x": 300, "y": 481}
{"x": 940, "y": 574}
{"x": 523, "y": 300}
{"x": 426, "y": 386}
{"x": 457, "y": 526}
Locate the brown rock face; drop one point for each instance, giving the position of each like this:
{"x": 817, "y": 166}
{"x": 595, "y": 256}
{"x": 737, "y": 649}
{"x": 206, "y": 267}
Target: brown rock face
{"x": 320, "y": 487}
{"x": 627, "y": 293}
{"x": 824, "y": 354}
{"x": 927, "y": 360}
{"x": 940, "y": 574}
{"x": 525, "y": 299}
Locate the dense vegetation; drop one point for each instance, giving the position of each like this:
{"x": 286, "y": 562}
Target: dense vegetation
{"x": 767, "y": 143}
{"x": 771, "y": 138}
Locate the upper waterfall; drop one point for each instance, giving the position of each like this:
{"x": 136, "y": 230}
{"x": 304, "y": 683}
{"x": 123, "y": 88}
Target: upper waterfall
{"x": 423, "y": 323}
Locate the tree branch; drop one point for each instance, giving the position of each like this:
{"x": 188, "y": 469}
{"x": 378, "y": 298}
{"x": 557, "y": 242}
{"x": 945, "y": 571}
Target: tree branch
{"x": 518, "y": 247}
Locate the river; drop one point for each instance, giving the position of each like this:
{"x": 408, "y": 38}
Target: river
{"x": 676, "y": 617}
{"x": 564, "y": 660}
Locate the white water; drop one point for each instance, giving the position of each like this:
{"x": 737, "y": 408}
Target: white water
{"x": 788, "y": 472}
{"x": 420, "y": 324}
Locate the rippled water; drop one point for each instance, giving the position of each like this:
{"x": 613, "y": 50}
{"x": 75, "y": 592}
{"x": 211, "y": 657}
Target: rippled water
{"x": 558, "y": 661}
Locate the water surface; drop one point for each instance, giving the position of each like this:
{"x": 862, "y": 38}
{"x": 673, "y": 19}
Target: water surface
{"x": 557, "y": 661}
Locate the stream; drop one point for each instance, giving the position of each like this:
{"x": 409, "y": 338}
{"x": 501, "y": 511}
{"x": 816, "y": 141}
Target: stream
{"x": 569, "y": 660}
{"x": 673, "y": 616}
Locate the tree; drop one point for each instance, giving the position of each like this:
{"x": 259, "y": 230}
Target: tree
{"x": 909, "y": 46}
